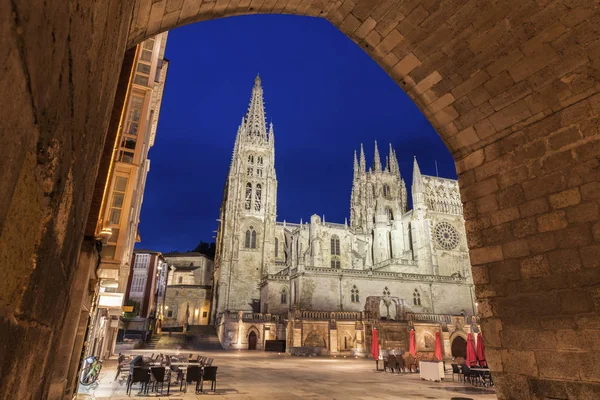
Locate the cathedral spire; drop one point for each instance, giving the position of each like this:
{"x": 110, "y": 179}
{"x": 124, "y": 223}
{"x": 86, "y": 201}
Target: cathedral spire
{"x": 355, "y": 166}
{"x": 387, "y": 164}
{"x": 391, "y": 158}
{"x": 376, "y": 160}
{"x": 396, "y": 169}
{"x": 417, "y": 185}
{"x": 363, "y": 161}
{"x": 254, "y": 123}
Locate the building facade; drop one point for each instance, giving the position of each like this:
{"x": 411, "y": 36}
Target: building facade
{"x": 145, "y": 281}
{"x": 189, "y": 290}
{"x": 387, "y": 265}
{"x": 117, "y": 227}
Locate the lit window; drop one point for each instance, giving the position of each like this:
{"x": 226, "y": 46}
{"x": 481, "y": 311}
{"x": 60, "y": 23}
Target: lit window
{"x": 118, "y": 196}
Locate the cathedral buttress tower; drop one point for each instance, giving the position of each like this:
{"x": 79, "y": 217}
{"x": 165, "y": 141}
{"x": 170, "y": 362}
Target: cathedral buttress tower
{"x": 420, "y": 231}
{"x": 248, "y": 212}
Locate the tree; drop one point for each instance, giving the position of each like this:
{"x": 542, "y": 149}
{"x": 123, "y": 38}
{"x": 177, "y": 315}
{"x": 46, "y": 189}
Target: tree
{"x": 208, "y": 249}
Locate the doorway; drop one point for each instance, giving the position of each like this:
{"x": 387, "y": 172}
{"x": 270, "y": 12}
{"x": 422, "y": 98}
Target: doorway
{"x": 459, "y": 347}
{"x": 252, "y": 341}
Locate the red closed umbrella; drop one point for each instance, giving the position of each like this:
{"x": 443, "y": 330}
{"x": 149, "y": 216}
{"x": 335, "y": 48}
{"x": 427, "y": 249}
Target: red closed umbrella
{"x": 438, "y": 347}
{"x": 480, "y": 350}
{"x": 375, "y": 345}
{"x": 471, "y": 357}
{"x": 412, "y": 345}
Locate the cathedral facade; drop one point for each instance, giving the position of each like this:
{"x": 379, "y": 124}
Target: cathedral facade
{"x": 388, "y": 264}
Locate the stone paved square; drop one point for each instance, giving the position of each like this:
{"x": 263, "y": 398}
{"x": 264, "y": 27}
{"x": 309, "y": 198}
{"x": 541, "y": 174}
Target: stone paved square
{"x": 264, "y": 375}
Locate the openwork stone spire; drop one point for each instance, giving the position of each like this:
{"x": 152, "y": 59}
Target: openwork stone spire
{"x": 363, "y": 161}
{"x": 255, "y": 126}
{"x": 376, "y": 160}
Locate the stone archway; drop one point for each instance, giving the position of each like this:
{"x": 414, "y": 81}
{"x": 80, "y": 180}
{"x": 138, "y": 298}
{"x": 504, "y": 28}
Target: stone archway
{"x": 252, "y": 339}
{"x": 459, "y": 347}
{"x": 511, "y": 87}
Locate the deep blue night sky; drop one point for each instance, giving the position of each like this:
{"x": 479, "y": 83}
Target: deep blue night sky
{"x": 324, "y": 95}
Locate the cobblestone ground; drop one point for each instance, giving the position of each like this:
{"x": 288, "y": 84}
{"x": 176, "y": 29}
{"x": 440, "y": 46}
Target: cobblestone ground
{"x": 260, "y": 375}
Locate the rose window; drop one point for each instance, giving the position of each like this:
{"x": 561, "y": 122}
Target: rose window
{"x": 446, "y": 235}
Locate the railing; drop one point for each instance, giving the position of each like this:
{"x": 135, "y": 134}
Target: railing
{"x": 400, "y": 275}
{"x": 249, "y": 317}
{"x": 259, "y": 317}
{"x": 327, "y": 315}
{"x": 426, "y": 317}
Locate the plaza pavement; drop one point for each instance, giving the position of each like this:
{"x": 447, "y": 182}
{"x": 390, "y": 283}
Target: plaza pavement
{"x": 245, "y": 375}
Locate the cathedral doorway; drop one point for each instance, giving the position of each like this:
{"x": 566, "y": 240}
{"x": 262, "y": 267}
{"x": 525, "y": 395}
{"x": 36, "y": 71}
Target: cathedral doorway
{"x": 459, "y": 347}
{"x": 252, "y": 341}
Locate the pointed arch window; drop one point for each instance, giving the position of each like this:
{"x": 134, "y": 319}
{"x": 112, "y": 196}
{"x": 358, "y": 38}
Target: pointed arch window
{"x": 284, "y": 296}
{"x": 257, "y": 197}
{"x": 335, "y": 252}
{"x": 390, "y": 245}
{"x": 417, "y": 298}
{"x": 354, "y": 295}
{"x": 251, "y": 159}
{"x": 335, "y": 245}
{"x": 250, "y": 171}
{"x": 248, "y": 197}
{"x": 250, "y": 239}
{"x": 259, "y": 161}
{"x": 259, "y": 172}
{"x": 386, "y": 191}
{"x": 276, "y": 247}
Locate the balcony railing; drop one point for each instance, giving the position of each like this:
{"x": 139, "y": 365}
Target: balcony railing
{"x": 327, "y": 315}
{"x": 426, "y": 317}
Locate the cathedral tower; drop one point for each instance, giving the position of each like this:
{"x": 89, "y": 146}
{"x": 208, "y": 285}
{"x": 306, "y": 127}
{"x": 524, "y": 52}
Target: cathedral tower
{"x": 248, "y": 212}
{"x": 378, "y": 202}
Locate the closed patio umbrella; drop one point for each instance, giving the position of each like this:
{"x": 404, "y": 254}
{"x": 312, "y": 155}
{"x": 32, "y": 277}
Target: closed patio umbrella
{"x": 375, "y": 344}
{"x": 471, "y": 357}
{"x": 412, "y": 345}
{"x": 438, "y": 347}
{"x": 480, "y": 350}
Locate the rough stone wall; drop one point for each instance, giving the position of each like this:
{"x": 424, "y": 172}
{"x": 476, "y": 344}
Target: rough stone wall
{"x": 60, "y": 71}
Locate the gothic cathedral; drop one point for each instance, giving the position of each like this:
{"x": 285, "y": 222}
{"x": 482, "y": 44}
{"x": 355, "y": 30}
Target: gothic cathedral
{"x": 389, "y": 260}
